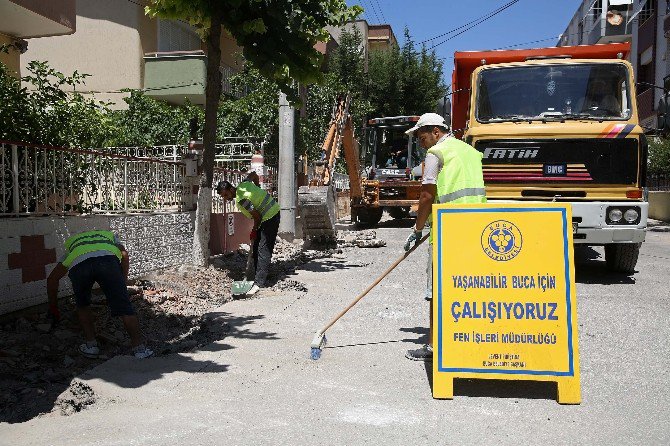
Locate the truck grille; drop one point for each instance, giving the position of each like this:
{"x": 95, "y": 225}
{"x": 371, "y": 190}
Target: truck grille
{"x": 560, "y": 161}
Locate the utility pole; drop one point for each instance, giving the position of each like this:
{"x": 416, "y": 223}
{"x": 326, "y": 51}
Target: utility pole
{"x": 286, "y": 168}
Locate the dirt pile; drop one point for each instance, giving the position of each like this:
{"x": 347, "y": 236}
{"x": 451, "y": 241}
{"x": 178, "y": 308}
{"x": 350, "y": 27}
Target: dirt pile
{"x": 76, "y": 398}
{"x": 38, "y": 362}
{"x": 359, "y": 239}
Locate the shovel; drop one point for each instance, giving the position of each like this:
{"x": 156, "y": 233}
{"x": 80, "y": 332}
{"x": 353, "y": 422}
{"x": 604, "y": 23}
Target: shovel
{"x": 242, "y": 287}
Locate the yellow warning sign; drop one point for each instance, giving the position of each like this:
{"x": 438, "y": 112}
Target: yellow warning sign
{"x": 504, "y": 303}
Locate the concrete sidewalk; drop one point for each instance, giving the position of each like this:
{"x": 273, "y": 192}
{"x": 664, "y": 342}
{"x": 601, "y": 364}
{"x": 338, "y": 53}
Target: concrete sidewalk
{"x": 258, "y": 385}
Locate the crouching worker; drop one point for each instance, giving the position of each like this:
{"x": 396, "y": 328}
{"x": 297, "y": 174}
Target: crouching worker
{"x": 96, "y": 257}
{"x": 257, "y": 204}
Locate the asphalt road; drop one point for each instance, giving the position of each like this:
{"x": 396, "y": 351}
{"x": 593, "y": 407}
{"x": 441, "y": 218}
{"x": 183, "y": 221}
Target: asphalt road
{"x": 258, "y": 385}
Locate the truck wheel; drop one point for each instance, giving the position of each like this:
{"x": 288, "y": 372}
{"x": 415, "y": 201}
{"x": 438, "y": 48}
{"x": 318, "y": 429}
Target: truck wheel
{"x": 622, "y": 257}
{"x": 398, "y": 212}
{"x": 369, "y": 216}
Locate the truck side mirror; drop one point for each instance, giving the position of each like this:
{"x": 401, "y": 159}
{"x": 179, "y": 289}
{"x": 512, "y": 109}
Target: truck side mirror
{"x": 444, "y": 109}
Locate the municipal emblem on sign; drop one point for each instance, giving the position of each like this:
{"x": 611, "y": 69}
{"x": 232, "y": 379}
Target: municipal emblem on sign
{"x": 501, "y": 240}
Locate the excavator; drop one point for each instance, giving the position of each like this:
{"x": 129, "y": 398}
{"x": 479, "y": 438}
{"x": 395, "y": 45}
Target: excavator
{"x": 383, "y": 173}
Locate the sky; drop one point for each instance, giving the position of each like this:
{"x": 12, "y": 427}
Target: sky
{"x": 524, "y": 21}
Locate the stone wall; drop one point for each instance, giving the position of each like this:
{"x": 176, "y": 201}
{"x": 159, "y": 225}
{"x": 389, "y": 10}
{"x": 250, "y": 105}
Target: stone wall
{"x": 30, "y": 248}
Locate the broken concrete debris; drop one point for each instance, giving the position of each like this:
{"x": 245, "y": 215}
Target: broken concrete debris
{"x": 76, "y": 398}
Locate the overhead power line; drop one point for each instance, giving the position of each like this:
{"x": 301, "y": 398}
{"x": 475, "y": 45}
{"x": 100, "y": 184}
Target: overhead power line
{"x": 484, "y": 17}
{"x": 380, "y": 10}
{"x": 371, "y": 9}
{"x": 476, "y": 23}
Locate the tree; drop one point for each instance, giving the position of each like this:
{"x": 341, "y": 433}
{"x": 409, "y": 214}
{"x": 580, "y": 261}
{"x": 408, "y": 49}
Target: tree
{"x": 277, "y": 37}
{"x": 404, "y": 81}
{"x": 659, "y": 156}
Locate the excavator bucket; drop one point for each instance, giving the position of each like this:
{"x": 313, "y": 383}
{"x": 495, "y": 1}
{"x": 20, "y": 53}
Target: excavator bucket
{"x": 317, "y": 202}
{"x": 317, "y": 212}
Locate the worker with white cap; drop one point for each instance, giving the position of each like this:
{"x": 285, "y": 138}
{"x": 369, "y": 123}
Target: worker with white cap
{"x": 452, "y": 174}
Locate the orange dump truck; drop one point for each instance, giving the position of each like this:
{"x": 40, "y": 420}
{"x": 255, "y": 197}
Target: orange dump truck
{"x": 560, "y": 124}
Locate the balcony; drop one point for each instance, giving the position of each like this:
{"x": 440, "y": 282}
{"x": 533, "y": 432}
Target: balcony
{"x": 605, "y": 32}
{"x": 176, "y": 76}
{"x": 35, "y": 18}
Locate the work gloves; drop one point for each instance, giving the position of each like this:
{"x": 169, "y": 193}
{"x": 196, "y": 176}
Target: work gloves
{"x": 414, "y": 237}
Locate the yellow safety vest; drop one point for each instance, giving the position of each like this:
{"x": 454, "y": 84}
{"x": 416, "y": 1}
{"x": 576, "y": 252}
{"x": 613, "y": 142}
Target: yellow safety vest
{"x": 461, "y": 179}
{"x": 89, "y": 241}
{"x": 251, "y": 197}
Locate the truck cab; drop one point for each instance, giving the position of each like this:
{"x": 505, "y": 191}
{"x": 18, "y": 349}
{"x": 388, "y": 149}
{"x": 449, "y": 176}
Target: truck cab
{"x": 560, "y": 124}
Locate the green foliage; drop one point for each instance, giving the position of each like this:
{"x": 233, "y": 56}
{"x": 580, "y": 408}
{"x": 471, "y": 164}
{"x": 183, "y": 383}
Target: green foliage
{"x": 404, "y": 81}
{"x": 46, "y": 114}
{"x": 277, "y": 36}
{"x": 148, "y": 122}
{"x": 255, "y": 112}
{"x": 659, "y": 156}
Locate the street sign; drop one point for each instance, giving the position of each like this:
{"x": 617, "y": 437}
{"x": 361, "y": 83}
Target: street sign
{"x": 504, "y": 296}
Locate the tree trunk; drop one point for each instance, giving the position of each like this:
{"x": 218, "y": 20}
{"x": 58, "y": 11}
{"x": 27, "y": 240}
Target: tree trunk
{"x": 212, "y": 96}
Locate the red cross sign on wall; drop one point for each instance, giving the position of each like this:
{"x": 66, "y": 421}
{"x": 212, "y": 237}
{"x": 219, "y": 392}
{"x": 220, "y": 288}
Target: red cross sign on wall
{"x": 33, "y": 258}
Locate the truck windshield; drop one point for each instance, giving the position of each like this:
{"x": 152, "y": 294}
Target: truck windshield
{"x": 580, "y": 91}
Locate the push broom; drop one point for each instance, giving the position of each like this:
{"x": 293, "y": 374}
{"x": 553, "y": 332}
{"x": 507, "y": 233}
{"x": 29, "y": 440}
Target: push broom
{"x": 319, "y": 341}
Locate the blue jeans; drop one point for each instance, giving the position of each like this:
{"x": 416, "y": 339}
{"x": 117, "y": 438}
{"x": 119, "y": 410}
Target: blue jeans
{"x": 107, "y": 272}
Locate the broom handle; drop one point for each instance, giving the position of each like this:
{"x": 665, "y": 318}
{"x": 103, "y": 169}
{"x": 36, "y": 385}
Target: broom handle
{"x": 374, "y": 284}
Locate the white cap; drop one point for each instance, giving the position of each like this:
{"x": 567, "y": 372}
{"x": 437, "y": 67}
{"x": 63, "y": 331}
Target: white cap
{"x": 428, "y": 119}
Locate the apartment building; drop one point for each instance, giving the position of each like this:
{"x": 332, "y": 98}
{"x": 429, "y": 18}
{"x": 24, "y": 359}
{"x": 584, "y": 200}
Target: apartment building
{"x": 122, "y": 48}
{"x": 374, "y": 37}
{"x": 27, "y": 19}
{"x": 643, "y": 23}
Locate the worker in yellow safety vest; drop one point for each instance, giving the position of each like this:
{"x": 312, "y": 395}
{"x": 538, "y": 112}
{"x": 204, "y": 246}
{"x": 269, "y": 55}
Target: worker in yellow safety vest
{"x": 96, "y": 257}
{"x": 257, "y": 204}
{"x": 452, "y": 174}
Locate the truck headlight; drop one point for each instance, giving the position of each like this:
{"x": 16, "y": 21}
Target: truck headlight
{"x": 615, "y": 215}
{"x": 631, "y": 215}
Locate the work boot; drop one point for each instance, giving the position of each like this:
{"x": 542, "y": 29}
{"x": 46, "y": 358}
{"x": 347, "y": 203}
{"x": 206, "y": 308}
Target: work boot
{"x": 424, "y": 353}
{"x": 90, "y": 350}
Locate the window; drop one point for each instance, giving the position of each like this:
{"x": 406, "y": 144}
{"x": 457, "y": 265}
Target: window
{"x": 580, "y": 33}
{"x": 597, "y": 10}
{"x": 177, "y": 36}
{"x": 644, "y": 77}
{"x": 646, "y": 12}
{"x": 561, "y": 91}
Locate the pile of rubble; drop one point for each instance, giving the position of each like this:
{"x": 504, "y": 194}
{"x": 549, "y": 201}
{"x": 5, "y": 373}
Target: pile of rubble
{"x": 359, "y": 239}
{"x": 38, "y": 361}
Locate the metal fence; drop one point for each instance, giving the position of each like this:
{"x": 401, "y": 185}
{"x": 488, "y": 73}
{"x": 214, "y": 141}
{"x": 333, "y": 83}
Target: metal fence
{"x": 658, "y": 182}
{"x": 46, "y": 180}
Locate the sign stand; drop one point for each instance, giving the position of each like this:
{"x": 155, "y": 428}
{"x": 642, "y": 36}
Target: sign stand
{"x": 504, "y": 304}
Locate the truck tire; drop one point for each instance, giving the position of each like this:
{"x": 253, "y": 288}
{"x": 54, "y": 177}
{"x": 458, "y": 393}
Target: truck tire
{"x": 398, "y": 213}
{"x": 622, "y": 257}
{"x": 369, "y": 216}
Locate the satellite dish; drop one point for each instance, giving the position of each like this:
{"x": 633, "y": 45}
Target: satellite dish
{"x": 614, "y": 18}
